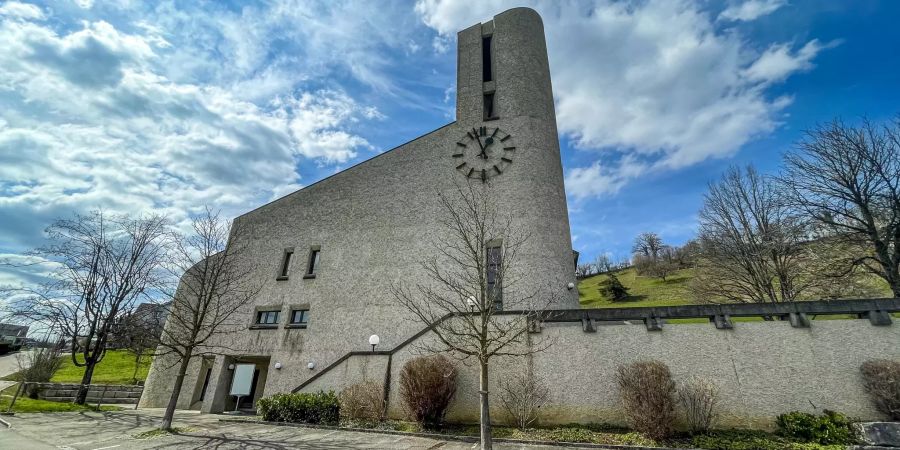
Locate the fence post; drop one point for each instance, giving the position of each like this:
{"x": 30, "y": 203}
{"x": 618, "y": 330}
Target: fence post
{"x": 16, "y": 396}
{"x": 103, "y": 393}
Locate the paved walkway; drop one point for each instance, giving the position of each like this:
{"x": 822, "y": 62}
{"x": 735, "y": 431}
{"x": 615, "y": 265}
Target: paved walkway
{"x": 116, "y": 430}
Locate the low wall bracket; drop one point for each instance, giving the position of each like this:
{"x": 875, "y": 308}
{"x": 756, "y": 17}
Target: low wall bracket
{"x": 723, "y": 321}
{"x": 587, "y": 325}
{"x": 653, "y": 323}
{"x": 879, "y": 318}
{"x": 799, "y": 320}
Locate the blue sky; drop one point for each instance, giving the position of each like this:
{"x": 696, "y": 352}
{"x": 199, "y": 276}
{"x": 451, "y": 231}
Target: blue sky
{"x": 139, "y": 106}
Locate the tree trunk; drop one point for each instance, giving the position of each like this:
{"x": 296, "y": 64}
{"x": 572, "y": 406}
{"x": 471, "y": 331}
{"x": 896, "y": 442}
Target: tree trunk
{"x": 81, "y": 396}
{"x": 137, "y": 365}
{"x": 176, "y": 391}
{"x": 486, "y": 439}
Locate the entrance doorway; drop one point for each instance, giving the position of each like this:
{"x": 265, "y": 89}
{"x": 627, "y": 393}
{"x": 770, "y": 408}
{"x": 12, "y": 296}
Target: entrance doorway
{"x": 260, "y": 366}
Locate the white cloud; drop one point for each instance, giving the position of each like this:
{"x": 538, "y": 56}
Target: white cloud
{"x": 779, "y": 61}
{"x": 13, "y": 9}
{"x": 91, "y": 120}
{"x": 750, "y": 9}
{"x": 654, "y": 80}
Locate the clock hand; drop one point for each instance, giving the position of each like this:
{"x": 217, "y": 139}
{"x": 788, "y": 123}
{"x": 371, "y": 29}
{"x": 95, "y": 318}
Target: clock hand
{"x": 477, "y": 138}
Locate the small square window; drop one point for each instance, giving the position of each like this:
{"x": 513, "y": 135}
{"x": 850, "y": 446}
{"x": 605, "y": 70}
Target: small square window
{"x": 267, "y": 317}
{"x": 300, "y": 318}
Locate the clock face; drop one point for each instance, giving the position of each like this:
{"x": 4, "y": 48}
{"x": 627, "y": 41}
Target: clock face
{"x": 484, "y": 152}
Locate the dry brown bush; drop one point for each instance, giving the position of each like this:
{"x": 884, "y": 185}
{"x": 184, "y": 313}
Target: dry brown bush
{"x": 521, "y": 396}
{"x": 363, "y": 401}
{"x": 427, "y": 385}
{"x": 699, "y": 400}
{"x": 648, "y": 397}
{"x": 881, "y": 378}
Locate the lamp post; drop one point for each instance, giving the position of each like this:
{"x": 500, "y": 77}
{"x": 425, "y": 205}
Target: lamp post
{"x": 373, "y": 341}
{"x": 471, "y": 303}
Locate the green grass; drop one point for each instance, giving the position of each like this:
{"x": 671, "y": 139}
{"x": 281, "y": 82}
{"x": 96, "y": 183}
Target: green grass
{"x": 115, "y": 368}
{"x": 642, "y": 291}
{"x": 29, "y": 405}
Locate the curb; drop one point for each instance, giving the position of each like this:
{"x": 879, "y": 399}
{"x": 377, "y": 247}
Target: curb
{"x": 452, "y": 437}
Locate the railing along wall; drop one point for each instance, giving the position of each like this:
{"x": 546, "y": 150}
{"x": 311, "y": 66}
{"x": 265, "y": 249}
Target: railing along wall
{"x": 878, "y": 311}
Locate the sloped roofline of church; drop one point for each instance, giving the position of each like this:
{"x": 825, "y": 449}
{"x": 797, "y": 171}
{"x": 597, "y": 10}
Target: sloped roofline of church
{"x": 345, "y": 170}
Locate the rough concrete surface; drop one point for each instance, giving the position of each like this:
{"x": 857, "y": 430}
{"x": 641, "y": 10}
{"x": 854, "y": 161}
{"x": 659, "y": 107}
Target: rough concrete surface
{"x": 116, "y": 430}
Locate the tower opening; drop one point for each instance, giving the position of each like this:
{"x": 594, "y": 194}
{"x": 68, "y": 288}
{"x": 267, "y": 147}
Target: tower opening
{"x": 487, "y": 73}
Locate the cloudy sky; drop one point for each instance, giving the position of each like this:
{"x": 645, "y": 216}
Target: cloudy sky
{"x": 137, "y": 106}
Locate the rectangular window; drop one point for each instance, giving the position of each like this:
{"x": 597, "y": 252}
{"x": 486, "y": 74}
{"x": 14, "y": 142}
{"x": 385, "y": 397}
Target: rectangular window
{"x": 487, "y": 73}
{"x": 494, "y": 277}
{"x": 267, "y": 317}
{"x": 300, "y": 317}
{"x": 312, "y": 265}
{"x": 286, "y": 264}
{"x": 489, "y": 109}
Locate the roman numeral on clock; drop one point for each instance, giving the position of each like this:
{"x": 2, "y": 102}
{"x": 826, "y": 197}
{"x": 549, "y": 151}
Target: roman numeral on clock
{"x": 506, "y": 160}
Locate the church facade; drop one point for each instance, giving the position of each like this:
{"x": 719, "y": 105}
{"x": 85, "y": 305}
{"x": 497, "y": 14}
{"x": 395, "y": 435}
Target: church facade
{"x": 326, "y": 255}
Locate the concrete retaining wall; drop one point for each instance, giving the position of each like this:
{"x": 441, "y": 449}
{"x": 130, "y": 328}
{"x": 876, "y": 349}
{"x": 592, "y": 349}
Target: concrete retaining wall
{"x": 106, "y": 393}
{"x": 762, "y": 368}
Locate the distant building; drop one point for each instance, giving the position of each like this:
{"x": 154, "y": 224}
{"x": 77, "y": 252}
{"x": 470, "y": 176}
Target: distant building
{"x": 12, "y": 337}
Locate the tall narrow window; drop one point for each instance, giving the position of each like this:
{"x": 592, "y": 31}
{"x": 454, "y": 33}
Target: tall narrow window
{"x": 286, "y": 264}
{"x": 489, "y": 112}
{"x": 487, "y": 73}
{"x": 494, "y": 277}
{"x": 312, "y": 265}
{"x": 205, "y": 385}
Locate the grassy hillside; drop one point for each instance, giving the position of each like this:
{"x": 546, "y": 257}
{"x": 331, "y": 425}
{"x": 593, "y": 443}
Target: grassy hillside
{"x": 643, "y": 291}
{"x": 649, "y": 291}
{"x": 115, "y": 368}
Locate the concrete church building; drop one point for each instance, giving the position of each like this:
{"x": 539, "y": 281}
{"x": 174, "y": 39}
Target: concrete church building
{"x": 328, "y": 253}
{"x": 326, "y": 256}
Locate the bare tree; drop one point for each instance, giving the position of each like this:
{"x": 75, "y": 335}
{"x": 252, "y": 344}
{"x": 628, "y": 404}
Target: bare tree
{"x": 848, "y": 179}
{"x": 603, "y": 264}
{"x": 138, "y": 332}
{"x": 213, "y": 287}
{"x": 584, "y": 270}
{"x": 753, "y": 244}
{"x": 648, "y": 244}
{"x": 101, "y": 269}
{"x": 472, "y": 276}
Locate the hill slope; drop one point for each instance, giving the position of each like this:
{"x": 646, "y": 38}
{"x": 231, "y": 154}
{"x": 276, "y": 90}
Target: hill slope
{"x": 649, "y": 291}
{"x": 643, "y": 291}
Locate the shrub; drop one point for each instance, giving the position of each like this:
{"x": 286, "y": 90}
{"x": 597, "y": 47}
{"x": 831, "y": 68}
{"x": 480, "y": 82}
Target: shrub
{"x": 38, "y": 366}
{"x": 752, "y": 440}
{"x": 647, "y": 392}
{"x": 829, "y": 428}
{"x": 427, "y": 385}
{"x": 363, "y": 401}
{"x": 699, "y": 400}
{"x": 522, "y": 395}
{"x": 881, "y": 378}
{"x": 613, "y": 289}
{"x": 321, "y": 407}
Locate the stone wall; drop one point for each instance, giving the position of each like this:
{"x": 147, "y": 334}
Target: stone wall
{"x": 762, "y": 368}
{"x": 105, "y": 393}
